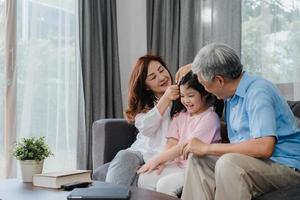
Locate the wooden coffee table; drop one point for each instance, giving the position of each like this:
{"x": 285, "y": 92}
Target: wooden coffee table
{"x": 14, "y": 189}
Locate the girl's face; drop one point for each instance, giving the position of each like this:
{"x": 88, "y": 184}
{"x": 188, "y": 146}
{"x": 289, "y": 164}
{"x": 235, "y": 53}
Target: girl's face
{"x": 192, "y": 100}
{"x": 158, "y": 78}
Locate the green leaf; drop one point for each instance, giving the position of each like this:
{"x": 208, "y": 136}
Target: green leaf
{"x": 32, "y": 149}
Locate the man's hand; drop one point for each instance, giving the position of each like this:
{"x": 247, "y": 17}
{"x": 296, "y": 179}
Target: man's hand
{"x": 182, "y": 71}
{"x": 195, "y": 146}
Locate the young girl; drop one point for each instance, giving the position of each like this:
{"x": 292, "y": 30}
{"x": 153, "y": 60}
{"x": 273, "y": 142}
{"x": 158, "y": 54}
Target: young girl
{"x": 149, "y": 97}
{"x": 195, "y": 117}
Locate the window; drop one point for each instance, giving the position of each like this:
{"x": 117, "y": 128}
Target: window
{"x": 271, "y": 42}
{"x": 48, "y": 77}
{"x": 49, "y": 85}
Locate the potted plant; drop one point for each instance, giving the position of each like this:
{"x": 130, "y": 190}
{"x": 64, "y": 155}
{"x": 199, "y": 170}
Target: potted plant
{"x": 31, "y": 152}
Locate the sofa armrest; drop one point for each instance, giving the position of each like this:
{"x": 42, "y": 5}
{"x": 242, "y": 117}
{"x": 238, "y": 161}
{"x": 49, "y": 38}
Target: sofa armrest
{"x": 109, "y": 137}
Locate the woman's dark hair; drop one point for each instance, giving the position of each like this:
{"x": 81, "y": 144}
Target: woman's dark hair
{"x": 139, "y": 98}
{"x": 191, "y": 81}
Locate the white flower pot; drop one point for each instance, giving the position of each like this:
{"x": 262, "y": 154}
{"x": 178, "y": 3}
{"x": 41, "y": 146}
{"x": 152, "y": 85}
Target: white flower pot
{"x": 29, "y": 168}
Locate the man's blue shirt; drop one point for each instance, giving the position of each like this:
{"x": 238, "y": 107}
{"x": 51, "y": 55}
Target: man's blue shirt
{"x": 258, "y": 109}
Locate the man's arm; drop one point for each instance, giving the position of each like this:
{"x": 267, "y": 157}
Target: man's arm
{"x": 259, "y": 148}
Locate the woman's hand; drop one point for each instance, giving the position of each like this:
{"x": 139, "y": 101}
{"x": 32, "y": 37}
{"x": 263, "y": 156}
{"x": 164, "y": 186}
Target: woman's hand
{"x": 182, "y": 71}
{"x": 172, "y": 93}
{"x": 195, "y": 146}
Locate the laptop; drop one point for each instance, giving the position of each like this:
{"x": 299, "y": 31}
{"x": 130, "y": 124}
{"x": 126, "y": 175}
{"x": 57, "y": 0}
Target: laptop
{"x": 103, "y": 192}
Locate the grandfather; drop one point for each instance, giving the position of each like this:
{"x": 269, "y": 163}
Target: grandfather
{"x": 264, "y": 150}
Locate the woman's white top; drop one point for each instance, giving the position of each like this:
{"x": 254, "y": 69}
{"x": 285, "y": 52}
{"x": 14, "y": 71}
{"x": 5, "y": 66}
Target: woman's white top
{"x": 152, "y": 128}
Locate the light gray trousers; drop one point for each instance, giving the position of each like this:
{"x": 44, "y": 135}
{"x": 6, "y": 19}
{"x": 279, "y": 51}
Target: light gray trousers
{"x": 170, "y": 181}
{"x": 234, "y": 177}
{"x": 122, "y": 169}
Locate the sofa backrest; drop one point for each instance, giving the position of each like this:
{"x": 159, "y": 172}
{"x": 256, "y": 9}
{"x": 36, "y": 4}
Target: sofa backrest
{"x": 295, "y": 107}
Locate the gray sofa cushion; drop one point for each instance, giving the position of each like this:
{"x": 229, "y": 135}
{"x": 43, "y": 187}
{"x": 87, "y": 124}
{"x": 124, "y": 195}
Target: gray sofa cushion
{"x": 298, "y": 121}
{"x": 100, "y": 173}
{"x": 295, "y": 107}
{"x": 109, "y": 137}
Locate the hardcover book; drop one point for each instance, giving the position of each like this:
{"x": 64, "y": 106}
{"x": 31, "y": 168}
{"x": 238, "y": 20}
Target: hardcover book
{"x": 57, "y": 179}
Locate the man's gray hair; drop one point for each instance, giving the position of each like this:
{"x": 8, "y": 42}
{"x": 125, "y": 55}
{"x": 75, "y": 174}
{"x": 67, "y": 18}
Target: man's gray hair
{"x": 217, "y": 59}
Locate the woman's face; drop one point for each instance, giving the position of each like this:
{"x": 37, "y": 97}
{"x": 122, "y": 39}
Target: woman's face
{"x": 192, "y": 100}
{"x": 158, "y": 78}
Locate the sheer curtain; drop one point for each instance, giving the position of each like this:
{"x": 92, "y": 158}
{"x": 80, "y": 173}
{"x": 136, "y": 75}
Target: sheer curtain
{"x": 49, "y": 82}
{"x": 271, "y": 42}
{"x": 2, "y": 16}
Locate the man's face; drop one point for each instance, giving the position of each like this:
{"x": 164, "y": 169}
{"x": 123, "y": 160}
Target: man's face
{"x": 216, "y": 86}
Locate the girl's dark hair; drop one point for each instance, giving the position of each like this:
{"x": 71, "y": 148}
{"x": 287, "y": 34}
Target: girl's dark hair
{"x": 139, "y": 98}
{"x": 191, "y": 81}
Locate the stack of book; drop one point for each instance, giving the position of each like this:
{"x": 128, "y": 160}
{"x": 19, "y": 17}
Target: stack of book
{"x": 57, "y": 179}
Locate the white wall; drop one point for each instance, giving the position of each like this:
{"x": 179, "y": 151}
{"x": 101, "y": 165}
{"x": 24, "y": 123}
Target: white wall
{"x": 131, "y": 18}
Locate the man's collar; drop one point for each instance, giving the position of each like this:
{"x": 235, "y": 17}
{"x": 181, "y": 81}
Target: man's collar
{"x": 244, "y": 84}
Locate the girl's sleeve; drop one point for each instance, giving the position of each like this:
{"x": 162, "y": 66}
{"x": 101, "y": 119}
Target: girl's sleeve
{"x": 173, "y": 131}
{"x": 208, "y": 129}
{"x": 148, "y": 123}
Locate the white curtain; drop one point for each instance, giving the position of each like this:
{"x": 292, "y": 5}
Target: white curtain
{"x": 271, "y": 42}
{"x": 49, "y": 83}
{"x": 9, "y": 85}
{"x": 2, "y": 17}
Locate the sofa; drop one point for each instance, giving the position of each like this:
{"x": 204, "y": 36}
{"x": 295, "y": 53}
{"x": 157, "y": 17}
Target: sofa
{"x": 112, "y": 135}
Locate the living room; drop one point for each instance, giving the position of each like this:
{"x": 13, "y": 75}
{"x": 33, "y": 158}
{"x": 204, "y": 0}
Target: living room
{"x": 65, "y": 64}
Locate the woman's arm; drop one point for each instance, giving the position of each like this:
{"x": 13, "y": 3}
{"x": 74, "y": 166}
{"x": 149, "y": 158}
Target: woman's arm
{"x": 148, "y": 123}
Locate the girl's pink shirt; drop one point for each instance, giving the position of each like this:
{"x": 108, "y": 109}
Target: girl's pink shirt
{"x": 205, "y": 126}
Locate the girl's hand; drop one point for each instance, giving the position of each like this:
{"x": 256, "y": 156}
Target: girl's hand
{"x": 160, "y": 168}
{"x": 172, "y": 93}
{"x": 143, "y": 168}
{"x": 195, "y": 146}
{"x": 182, "y": 71}
{"x": 148, "y": 167}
